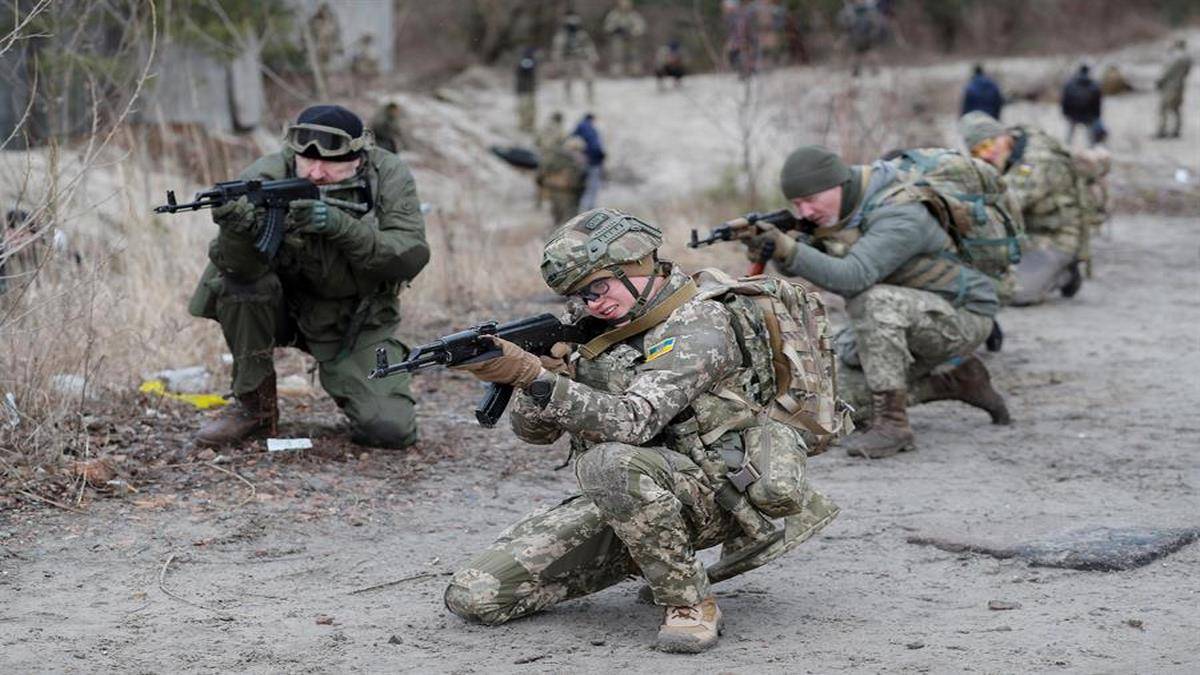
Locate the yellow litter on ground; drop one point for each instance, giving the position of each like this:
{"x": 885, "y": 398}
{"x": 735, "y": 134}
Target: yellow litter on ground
{"x": 201, "y": 401}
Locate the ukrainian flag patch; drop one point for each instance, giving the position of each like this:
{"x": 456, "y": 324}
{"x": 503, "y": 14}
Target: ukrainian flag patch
{"x": 659, "y": 348}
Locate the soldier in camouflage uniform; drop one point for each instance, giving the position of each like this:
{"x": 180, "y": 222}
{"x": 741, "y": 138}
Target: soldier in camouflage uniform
{"x": 913, "y": 306}
{"x": 1041, "y": 172}
{"x": 332, "y": 289}
{"x": 385, "y": 125}
{"x": 575, "y": 55}
{"x": 624, "y": 27}
{"x": 1170, "y": 91}
{"x": 561, "y": 177}
{"x": 634, "y": 403}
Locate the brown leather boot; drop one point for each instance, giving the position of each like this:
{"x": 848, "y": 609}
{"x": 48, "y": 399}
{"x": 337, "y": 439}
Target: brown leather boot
{"x": 889, "y": 432}
{"x": 253, "y": 413}
{"x": 971, "y": 384}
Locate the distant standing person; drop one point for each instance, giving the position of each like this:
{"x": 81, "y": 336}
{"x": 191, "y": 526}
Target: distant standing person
{"x": 982, "y": 94}
{"x": 526, "y": 85}
{"x": 594, "y": 149}
{"x": 575, "y": 55}
{"x": 1081, "y": 102}
{"x": 551, "y": 134}
{"x": 561, "y": 178}
{"x": 668, "y": 62}
{"x": 1170, "y": 91}
{"x": 385, "y": 125}
{"x": 624, "y": 27}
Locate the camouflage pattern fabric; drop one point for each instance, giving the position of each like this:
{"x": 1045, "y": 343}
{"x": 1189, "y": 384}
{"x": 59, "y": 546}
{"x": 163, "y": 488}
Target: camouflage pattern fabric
{"x": 1044, "y": 181}
{"x": 1170, "y": 90}
{"x": 624, "y": 28}
{"x": 526, "y": 112}
{"x": 900, "y": 334}
{"x": 576, "y": 57}
{"x": 646, "y": 507}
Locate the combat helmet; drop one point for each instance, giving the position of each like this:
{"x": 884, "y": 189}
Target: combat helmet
{"x": 600, "y": 243}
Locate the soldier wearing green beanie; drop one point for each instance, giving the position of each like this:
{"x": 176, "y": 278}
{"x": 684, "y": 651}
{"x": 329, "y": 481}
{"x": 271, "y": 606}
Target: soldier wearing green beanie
{"x": 1056, "y": 202}
{"x": 913, "y": 305}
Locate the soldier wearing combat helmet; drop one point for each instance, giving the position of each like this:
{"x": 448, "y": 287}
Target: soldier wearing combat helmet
{"x": 332, "y": 289}
{"x": 638, "y": 403}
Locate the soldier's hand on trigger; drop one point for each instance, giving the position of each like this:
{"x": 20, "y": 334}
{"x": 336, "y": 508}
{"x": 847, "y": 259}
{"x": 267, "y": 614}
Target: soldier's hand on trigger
{"x": 768, "y": 237}
{"x": 313, "y": 216}
{"x": 513, "y": 366}
{"x": 557, "y": 361}
{"x": 239, "y": 217}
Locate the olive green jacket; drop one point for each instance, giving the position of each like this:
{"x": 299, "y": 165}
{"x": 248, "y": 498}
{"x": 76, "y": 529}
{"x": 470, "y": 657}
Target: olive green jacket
{"x": 328, "y": 280}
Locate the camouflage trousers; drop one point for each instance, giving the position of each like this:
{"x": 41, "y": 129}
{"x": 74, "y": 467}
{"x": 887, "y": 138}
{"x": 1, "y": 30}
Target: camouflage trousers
{"x": 578, "y": 69}
{"x": 643, "y": 511}
{"x": 897, "y": 336}
{"x": 623, "y": 57}
{"x": 1170, "y": 119}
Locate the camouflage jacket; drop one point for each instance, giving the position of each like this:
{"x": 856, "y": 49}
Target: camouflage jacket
{"x": 328, "y": 280}
{"x": 636, "y": 388}
{"x": 1174, "y": 76}
{"x": 1041, "y": 174}
{"x": 899, "y": 244}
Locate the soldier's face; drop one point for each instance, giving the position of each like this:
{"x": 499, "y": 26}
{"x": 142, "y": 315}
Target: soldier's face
{"x": 821, "y": 208}
{"x": 610, "y": 300}
{"x": 324, "y": 172}
{"x": 995, "y": 151}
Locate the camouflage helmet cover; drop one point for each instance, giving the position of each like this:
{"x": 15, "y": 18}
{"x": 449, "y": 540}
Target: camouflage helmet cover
{"x": 595, "y": 240}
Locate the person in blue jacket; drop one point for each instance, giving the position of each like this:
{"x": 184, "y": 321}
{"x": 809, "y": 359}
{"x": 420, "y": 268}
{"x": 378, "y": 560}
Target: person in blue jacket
{"x": 983, "y": 94}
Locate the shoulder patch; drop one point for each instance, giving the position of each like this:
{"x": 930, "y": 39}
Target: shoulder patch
{"x": 659, "y": 348}
{"x": 1025, "y": 169}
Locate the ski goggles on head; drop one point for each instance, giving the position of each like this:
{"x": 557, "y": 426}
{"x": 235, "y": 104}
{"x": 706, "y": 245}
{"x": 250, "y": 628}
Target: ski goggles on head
{"x": 327, "y": 142}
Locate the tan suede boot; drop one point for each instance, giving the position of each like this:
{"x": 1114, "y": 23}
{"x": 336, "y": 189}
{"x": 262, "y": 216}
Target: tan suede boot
{"x": 255, "y": 412}
{"x": 691, "y": 629}
{"x": 889, "y": 432}
{"x": 971, "y": 384}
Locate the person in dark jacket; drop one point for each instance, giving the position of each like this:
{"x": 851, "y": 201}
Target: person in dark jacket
{"x": 1081, "y": 101}
{"x": 594, "y": 150}
{"x": 982, "y": 94}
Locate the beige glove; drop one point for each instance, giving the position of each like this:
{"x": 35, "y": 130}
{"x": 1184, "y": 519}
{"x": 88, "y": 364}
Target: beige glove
{"x": 557, "y": 362}
{"x": 782, "y": 243}
{"x": 514, "y": 366}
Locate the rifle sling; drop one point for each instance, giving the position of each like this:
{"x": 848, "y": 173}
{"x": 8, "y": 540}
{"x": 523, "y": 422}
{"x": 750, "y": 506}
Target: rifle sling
{"x": 650, "y": 319}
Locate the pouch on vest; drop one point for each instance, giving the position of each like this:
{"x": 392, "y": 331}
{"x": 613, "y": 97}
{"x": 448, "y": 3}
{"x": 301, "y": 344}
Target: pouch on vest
{"x": 969, "y": 199}
{"x": 799, "y": 383}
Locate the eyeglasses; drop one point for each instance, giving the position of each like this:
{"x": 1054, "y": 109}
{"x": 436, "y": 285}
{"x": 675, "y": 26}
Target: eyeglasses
{"x": 328, "y": 141}
{"x": 983, "y": 146}
{"x": 594, "y": 291}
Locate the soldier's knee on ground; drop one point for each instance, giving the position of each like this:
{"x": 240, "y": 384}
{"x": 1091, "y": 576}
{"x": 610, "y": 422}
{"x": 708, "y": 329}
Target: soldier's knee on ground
{"x": 486, "y": 590}
{"x": 619, "y": 478}
{"x": 382, "y": 411}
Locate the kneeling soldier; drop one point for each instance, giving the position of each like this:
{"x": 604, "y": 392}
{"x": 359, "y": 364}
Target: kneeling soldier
{"x": 641, "y": 403}
{"x": 913, "y": 304}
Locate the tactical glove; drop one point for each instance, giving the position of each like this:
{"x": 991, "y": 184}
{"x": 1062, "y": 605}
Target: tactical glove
{"x": 780, "y": 245}
{"x": 238, "y": 217}
{"x": 557, "y": 361}
{"x": 313, "y": 216}
{"x": 514, "y": 366}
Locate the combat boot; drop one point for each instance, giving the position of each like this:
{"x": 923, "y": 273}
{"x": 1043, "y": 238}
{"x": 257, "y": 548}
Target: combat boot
{"x": 691, "y": 629}
{"x": 253, "y": 413}
{"x": 1074, "y": 281}
{"x": 971, "y": 384}
{"x": 889, "y": 432}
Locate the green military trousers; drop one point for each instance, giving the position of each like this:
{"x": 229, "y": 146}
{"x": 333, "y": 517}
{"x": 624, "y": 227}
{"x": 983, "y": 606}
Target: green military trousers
{"x": 643, "y": 511}
{"x": 897, "y": 336}
{"x": 255, "y": 318}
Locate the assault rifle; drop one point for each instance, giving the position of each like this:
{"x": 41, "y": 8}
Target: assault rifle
{"x": 746, "y": 225}
{"x": 535, "y": 334}
{"x": 274, "y": 195}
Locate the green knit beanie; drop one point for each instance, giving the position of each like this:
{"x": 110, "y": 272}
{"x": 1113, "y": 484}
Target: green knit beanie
{"x": 810, "y": 170}
{"x": 976, "y": 127}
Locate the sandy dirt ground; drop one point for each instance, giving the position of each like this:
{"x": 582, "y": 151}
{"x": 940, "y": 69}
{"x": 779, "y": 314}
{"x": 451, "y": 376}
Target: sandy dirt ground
{"x": 335, "y": 560}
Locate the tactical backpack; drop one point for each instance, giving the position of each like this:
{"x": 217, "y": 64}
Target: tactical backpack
{"x": 1091, "y": 179}
{"x": 969, "y": 199}
{"x": 800, "y": 370}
